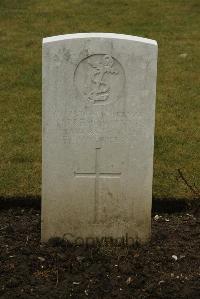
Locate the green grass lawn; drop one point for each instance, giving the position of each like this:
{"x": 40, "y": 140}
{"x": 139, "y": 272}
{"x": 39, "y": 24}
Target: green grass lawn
{"x": 175, "y": 24}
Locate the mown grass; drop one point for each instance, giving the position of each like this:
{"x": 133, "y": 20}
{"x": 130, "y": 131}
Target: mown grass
{"x": 173, "y": 23}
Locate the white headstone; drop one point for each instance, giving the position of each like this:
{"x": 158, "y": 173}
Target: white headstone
{"x": 99, "y": 94}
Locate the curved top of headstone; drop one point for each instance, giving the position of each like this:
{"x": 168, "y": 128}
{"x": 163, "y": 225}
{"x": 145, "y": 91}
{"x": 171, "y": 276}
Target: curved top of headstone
{"x": 99, "y": 35}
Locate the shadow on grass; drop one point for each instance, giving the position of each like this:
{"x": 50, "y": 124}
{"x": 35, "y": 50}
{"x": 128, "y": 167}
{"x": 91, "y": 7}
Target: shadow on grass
{"x": 23, "y": 201}
{"x": 159, "y": 205}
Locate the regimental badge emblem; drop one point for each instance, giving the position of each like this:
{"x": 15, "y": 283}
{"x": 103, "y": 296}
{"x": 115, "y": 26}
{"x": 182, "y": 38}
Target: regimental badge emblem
{"x": 100, "y": 78}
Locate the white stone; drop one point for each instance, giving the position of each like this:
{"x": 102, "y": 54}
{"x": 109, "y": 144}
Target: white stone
{"x": 99, "y": 94}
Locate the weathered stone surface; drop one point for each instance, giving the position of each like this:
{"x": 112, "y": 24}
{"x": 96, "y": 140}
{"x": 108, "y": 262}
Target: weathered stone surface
{"x": 99, "y": 94}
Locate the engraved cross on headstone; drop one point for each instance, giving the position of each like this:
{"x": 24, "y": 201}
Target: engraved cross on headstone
{"x": 97, "y": 174}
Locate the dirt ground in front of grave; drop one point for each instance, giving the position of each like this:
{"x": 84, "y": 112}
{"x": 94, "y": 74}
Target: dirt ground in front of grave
{"x": 167, "y": 267}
